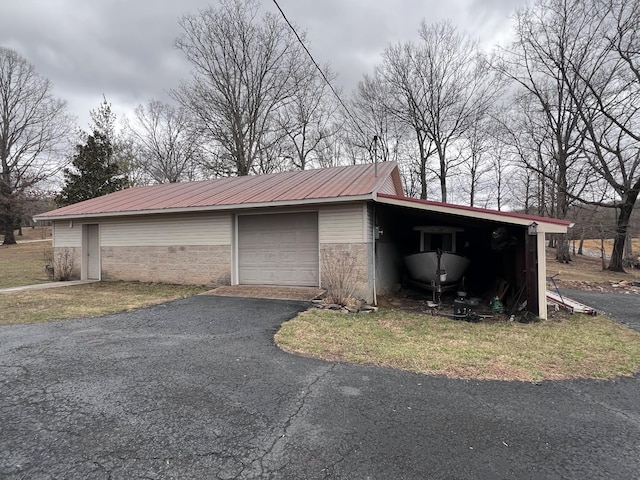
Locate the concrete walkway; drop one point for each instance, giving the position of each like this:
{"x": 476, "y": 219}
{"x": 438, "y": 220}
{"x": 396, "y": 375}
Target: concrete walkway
{"x": 44, "y": 286}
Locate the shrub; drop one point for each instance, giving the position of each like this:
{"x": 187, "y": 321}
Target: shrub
{"x": 339, "y": 275}
{"x": 63, "y": 265}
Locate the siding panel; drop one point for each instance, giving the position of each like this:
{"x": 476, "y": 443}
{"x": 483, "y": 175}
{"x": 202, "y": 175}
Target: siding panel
{"x": 389, "y": 187}
{"x": 66, "y": 236}
{"x": 342, "y": 224}
{"x": 166, "y": 230}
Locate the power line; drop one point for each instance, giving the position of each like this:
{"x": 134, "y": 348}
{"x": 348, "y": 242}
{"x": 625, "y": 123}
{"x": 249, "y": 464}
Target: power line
{"x": 324, "y": 77}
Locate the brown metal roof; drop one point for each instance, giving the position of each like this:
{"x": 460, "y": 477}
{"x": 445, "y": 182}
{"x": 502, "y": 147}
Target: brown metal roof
{"x": 307, "y": 185}
{"x": 552, "y": 225}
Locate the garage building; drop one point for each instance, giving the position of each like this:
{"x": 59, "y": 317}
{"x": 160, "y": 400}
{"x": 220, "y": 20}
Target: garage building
{"x": 286, "y": 229}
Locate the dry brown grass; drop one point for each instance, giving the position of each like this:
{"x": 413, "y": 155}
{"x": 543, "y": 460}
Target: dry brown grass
{"x": 35, "y": 233}
{"x": 578, "y": 346}
{"x": 574, "y": 347}
{"x": 584, "y": 268}
{"x": 22, "y": 264}
{"x": 594, "y": 245}
{"x": 87, "y": 300}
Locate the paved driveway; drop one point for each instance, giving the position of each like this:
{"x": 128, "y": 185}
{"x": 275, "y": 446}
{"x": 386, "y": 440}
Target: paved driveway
{"x": 196, "y": 389}
{"x": 624, "y": 307}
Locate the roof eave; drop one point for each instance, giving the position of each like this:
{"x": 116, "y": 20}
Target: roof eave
{"x": 500, "y": 217}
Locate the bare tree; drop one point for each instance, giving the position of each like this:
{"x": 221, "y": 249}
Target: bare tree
{"x": 242, "y": 74}
{"x": 168, "y": 149}
{"x": 373, "y": 130}
{"x": 439, "y": 88}
{"x": 547, "y": 43}
{"x": 476, "y": 153}
{"x": 308, "y": 119}
{"x": 611, "y": 75}
{"x": 405, "y": 95}
{"x": 34, "y": 128}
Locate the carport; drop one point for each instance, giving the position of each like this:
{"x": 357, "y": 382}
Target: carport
{"x": 506, "y": 250}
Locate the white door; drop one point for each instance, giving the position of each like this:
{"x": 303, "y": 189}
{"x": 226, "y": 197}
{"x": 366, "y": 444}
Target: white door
{"x": 93, "y": 252}
{"x": 278, "y": 249}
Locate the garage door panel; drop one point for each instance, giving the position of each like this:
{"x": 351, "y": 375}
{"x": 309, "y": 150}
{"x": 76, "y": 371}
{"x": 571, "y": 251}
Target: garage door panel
{"x": 278, "y": 249}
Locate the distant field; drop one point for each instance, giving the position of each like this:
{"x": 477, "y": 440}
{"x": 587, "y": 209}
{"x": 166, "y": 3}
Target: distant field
{"x": 594, "y": 245}
{"x": 37, "y": 233}
{"x": 585, "y": 268}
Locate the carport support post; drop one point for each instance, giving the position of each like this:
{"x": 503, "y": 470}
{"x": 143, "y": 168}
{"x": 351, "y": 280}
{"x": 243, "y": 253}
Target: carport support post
{"x": 532, "y": 272}
{"x": 536, "y": 272}
{"x": 541, "y": 250}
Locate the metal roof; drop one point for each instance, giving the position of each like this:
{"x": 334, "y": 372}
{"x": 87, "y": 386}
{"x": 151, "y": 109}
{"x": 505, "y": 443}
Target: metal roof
{"x": 545, "y": 224}
{"x": 355, "y": 182}
{"x": 337, "y": 184}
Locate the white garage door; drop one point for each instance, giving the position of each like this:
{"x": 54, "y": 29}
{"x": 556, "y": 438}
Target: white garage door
{"x": 278, "y": 249}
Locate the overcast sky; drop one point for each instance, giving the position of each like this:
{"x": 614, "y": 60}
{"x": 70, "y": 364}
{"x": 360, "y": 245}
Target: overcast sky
{"x": 123, "y": 49}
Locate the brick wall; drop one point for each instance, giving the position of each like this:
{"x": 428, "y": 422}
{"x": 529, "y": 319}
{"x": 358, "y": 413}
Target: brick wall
{"x": 340, "y": 262}
{"x": 76, "y": 256}
{"x": 196, "y": 264}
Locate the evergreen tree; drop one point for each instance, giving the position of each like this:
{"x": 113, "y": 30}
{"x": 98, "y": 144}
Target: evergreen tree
{"x": 94, "y": 173}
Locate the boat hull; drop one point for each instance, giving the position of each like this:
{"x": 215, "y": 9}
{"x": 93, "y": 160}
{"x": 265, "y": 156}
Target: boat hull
{"x": 423, "y": 266}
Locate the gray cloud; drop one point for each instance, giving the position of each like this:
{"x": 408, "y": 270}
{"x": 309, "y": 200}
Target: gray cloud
{"x": 124, "y": 49}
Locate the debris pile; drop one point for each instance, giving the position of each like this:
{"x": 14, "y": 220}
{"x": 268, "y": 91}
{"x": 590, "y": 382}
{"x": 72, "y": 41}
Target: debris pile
{"x": 619, "y": 286}
{"x": 351, "y": 307}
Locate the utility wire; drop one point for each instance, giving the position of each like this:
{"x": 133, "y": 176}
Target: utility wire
{"x": 324, "y": 77}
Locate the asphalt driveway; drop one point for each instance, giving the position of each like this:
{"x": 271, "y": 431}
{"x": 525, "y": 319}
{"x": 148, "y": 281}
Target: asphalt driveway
{"x": 624, "y": 307}
{"x": 196, "y": 389}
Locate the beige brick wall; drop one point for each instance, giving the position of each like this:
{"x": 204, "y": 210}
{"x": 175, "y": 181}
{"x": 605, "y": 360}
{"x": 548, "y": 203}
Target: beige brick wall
{"x": 195, "y": 264}
{"x": 75, "y": 257}
{"x": 346, "y": 263}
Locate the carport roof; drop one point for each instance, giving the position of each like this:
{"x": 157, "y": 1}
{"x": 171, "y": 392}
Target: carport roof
{"x": 354, "y": 182}
{"x": 544, "y": 224}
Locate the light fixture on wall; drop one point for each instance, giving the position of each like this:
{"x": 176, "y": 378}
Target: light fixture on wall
{"x": 70, "y": 223}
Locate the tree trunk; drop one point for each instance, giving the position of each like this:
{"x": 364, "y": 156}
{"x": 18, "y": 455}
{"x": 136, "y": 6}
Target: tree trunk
{"x": 628, "y": 245}
{"x": 9, "y": 238}
{"x": 562, "y": 249}
{"x": 443, "y": 178}
{"x": 423, "y": 165}
{"x": 626, "y": 209}
{"x": 423, "y": 180}
{"x": 581, "y": 245}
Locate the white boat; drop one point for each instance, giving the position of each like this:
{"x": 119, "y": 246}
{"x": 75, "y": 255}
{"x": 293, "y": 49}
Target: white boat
{"x": 423, "y": 267}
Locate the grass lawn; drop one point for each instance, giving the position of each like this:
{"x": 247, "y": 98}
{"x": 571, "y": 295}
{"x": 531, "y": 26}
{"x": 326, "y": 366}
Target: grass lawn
{"x": 87, "y": 300}
{"x": 577, "y": 346}
{"x": 22, "y": 264}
